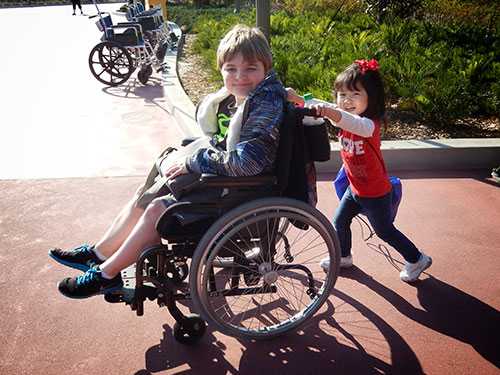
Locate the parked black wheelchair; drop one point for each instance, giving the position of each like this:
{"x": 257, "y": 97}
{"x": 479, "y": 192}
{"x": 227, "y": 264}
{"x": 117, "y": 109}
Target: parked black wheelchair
{"x": 250, "y": 258}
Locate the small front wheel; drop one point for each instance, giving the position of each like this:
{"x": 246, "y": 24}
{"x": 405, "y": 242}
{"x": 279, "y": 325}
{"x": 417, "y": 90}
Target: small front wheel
{"x": 181, "y": 272}
{"x": 190, "y": 329}
{"x": 144, "y": 74}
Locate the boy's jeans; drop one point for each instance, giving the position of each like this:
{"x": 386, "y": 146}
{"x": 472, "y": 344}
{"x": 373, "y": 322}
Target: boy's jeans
{"x": 378, "y": 211}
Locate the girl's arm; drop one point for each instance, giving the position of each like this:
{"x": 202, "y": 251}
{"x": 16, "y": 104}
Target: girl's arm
{"x": 292, "y": 96}
{"x": 250, "y": 157}
{"x": 355, "y": 124}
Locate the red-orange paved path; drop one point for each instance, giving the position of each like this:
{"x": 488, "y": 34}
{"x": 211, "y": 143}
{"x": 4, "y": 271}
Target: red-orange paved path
{"x": 448, "y": 323}
{"x": 65, "y": 140}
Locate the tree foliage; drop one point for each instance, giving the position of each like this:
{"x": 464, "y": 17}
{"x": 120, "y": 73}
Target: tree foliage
{"x": 440, "y": 69}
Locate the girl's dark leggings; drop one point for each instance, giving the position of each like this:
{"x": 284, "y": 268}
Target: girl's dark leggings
{"x": 378, "y": 211}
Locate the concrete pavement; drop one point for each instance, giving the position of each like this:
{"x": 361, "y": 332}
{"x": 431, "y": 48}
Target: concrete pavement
{"x": 72, "y": 153}
{"x": 57, "y": 119}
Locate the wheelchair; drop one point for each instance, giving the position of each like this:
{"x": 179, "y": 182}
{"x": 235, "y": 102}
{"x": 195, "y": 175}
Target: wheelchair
{"x": 159, "y": 33}
{"x": 127, "y": 46}
{"x": 248, "y": 261}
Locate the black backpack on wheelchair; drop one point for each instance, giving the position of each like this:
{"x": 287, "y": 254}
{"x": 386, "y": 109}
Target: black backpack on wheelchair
{"x": 251, "y": 260}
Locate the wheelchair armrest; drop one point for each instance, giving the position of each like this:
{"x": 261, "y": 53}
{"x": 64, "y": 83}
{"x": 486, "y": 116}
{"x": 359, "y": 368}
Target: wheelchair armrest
{"x": 211, "y": 180}
{"x": 187, "y": 141}
{"x": 146, "y": 16}
{"x": 150, "y": 12}
{"x": 122, "y": 25}
{"x": 125, "y": 25}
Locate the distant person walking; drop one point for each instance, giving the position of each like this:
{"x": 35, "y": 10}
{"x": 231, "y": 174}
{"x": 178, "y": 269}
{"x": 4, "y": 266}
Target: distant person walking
{"x": 75, "y": 4}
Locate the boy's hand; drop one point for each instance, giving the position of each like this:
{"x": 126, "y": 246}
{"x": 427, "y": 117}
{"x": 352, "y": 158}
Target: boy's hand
{"x": 293, "y": 97}
{"x": 175, "y": 170}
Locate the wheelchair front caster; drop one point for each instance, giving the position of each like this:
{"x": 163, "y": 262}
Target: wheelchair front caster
{"x": 181, "y": 272}
{"x": 162, "y": 51}
{"x": 190, "y": 329}
{"x": 144, "y": 74}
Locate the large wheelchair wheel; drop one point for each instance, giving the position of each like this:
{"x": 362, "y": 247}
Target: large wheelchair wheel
{"x": 111, "y": 63}
{"x": 265, "y": 295}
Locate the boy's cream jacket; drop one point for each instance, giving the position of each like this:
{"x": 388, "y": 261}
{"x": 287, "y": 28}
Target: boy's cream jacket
{"x": 207, "y": 118}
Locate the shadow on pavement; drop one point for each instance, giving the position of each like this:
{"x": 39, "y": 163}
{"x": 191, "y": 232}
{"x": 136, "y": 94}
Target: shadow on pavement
{"x": 153, "y": 92}
{"x": 326, "y": 342}
{"x": 446, "y": 310}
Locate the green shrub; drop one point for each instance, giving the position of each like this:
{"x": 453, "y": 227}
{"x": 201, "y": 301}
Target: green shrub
{"x": 188, "y": 16}
{"x": 439, "y": 70}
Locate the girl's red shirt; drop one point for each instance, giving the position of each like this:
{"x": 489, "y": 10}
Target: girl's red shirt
{"x": 363, "y": 163}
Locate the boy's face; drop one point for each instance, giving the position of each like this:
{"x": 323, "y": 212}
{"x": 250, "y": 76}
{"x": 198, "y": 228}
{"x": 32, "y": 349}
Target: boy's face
{"x": 242, "y": 76}
{"x": 353, "y": 101}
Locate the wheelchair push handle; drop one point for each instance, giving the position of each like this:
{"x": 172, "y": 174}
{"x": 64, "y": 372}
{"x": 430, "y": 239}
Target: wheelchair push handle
{"x": 97, "y": 15}
{"x": 311, "y": 112}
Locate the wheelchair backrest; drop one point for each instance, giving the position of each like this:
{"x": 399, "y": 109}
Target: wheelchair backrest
{"x": 131, "y": 12}
{"x": 105, "y": 22}
{"x": 297, "y": 148}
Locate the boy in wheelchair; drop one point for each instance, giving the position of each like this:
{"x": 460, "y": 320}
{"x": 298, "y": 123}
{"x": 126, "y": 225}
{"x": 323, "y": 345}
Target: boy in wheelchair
{"x": 252, "y": 102}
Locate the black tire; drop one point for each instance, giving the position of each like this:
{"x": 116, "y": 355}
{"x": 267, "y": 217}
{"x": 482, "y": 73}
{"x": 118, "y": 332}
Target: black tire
{"x": 144, "y": 74}
{"x": 287, "y": 295}
{"x": 110, "y": 63}
{"x": 190, "y": 330}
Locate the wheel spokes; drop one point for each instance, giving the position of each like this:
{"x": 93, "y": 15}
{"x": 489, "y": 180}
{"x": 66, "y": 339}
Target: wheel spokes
{"x": 284, "y": 292}
{"x": 110, "y": 64}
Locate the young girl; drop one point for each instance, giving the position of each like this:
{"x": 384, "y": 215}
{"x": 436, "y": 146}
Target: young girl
{"x": 359, "y": 112}
{"x": 253, "y": 98}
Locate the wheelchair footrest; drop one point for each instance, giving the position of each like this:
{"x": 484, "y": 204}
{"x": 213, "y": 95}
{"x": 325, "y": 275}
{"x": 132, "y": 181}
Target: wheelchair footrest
{"x": 127, "y": 293}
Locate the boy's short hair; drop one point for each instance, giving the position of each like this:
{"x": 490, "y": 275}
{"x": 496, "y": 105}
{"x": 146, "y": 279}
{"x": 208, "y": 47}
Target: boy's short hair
{"x": 249, "y": 41}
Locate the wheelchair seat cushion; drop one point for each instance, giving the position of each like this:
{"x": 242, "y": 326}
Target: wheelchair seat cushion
{"x": 148, "y": 23}
{"x": 201, "y": 208}
{"x": 183, "y": 184}
{"x": 128, "y": 37}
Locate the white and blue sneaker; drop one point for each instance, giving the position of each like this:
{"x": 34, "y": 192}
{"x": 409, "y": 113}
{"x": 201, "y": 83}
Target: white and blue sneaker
{"x": 412, "y": 271}
{"x": 345, "y": 262}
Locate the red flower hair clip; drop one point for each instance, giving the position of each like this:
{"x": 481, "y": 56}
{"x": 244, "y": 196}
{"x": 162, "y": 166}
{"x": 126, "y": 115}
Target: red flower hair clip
{"x": 366, "y": 65}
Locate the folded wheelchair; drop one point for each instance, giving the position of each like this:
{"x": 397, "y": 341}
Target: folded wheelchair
{"x": 141, "y": 43}
{"x": 158, "y": 32}
{"x": 248, "y": 261}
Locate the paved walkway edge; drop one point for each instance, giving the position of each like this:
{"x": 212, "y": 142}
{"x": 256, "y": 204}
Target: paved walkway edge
{"x": 176, "y": 99}
{"x": 430, "y": 154}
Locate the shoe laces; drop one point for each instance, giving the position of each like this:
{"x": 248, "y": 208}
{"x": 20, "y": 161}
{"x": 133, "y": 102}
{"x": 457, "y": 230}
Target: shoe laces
{"x": 84, "y": 249}
{"x": 88, "y": 277}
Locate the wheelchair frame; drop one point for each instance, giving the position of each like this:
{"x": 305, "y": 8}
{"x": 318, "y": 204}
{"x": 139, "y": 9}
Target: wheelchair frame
{"x": 274, "y": 275}
{"x": 142, "y": 43}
